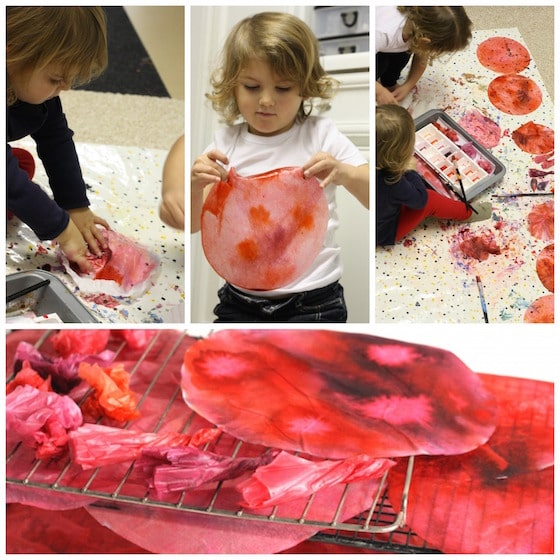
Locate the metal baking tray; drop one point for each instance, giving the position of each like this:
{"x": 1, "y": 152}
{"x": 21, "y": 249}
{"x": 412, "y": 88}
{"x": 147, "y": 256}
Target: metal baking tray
{"x": 485, "y": 179}
{"x": 53, "y": 298}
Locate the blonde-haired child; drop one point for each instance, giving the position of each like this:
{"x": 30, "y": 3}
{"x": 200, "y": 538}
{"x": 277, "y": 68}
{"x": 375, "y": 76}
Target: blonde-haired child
{"x": 49, "y": 50}
{"x": 269, "y": 76}
{"x": 423, "y": 32}
{"x": 402, "y": 199}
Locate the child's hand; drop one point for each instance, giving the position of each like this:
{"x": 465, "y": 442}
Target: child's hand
{"x": 355, "y": 179}
{"x": 383, "y": 96}
{"x": 327, "y": 169}
{"x": 207, "y": 170}
{"x": 86, "y": 222}
{"x": 401, "y": 91}
{"x": 72, "y": 244}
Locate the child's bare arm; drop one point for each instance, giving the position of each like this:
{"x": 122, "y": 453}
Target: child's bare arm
{"x": 329, "y": 170}
{"x": 172, "y": 207}
{"x": 206, "y": 170}
{"x": 417, "y": 68}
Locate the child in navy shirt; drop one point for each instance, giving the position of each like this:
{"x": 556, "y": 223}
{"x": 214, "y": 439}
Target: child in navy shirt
{"x": 49, "y": 50}
{"x": 402, "y": 199}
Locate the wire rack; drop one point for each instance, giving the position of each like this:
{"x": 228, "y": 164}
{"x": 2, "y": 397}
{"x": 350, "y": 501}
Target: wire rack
{"x": 379, "y": 527}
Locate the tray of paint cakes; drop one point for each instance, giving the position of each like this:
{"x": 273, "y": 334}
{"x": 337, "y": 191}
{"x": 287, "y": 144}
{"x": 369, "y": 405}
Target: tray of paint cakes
{"x": 450, "y": 160}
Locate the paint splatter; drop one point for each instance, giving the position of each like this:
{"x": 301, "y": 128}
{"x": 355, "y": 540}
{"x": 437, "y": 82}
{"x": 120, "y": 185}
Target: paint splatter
{"x": 541, "y": 310}
{"x": 503, "y": 55}
{"x": 534, "y": 138}
{"x": 514, "y": 94}
{"x": 545, "y": 267}
{"x": 477, "y": 245}
{"x": 484, "y": 130}
{"x": 102, "y": 299}
{"x": 540, "y": 221}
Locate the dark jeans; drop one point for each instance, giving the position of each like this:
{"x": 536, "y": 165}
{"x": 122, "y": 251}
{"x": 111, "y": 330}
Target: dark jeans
{"x": 388, "y": 67}
{"x": 323, "y": 305}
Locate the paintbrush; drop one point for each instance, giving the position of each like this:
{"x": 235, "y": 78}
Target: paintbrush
{"x": 445, "y": 180}
{"x": 28, "y": 290}
{"x": 482, "y": 300}
{"x": 460, "y": 179}
{"x": 514, "y": 195}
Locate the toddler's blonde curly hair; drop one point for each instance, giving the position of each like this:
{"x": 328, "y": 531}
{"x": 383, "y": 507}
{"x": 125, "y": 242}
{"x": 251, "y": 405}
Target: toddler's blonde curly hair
{"x": 284, "y": 42}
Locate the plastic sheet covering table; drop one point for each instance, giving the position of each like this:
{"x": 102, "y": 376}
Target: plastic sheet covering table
{"x": 124, "y": 188}
{"x": 427, "y": 277}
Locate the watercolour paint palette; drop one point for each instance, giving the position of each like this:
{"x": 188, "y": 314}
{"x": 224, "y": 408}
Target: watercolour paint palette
{"x": 448, "y": 156}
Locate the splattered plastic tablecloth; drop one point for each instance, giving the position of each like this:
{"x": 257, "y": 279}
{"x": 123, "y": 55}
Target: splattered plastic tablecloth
{"x": 124, "y": 188}
{"x": 429, "y": 276}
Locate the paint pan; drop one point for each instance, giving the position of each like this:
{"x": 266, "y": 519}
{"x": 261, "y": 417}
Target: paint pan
{"x": 443, "y": 143}
{"x": 52, "y": 298}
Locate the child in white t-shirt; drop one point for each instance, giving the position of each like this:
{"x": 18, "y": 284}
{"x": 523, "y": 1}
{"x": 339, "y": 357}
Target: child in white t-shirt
{"x": 269, "y": 75}
{"x": 422, "y": 33}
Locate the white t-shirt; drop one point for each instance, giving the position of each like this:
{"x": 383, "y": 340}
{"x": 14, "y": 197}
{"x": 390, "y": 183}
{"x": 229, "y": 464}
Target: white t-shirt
{"x": 251, "y": 154}
{"x": 389, "y": 24}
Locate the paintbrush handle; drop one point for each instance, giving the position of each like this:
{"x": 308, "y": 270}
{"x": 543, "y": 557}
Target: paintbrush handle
{"x": 515, "y": 195}
{"x": 447, "y": 183}
{"x": 28, "y": 290}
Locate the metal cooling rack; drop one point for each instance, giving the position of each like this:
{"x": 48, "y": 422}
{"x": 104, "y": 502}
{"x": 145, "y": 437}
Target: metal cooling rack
{"x": 380, "y": 527}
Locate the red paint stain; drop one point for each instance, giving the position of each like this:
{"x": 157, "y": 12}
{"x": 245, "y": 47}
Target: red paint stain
{"x": 109, "y": 272}
{"x": 545, "y": 267}
{"x": 503, "y": 55}
{"x": 449, "y": 132}
{"x": 541, "y": 310}
{"x": 216, "y": 202}
{"x": 103, "y": 299}
{"x": 540, "y": 221}
{"x": 248, "y": 249}
{"x": 484, "y": 130}
{"x": 534, "y": 138}
{"x": 259, "y": 215}
{"x": 514, "y": 94}
{"x": 477, "y": 245}
{"x": 303, "y": 219}
{"x": 279, "y": 275}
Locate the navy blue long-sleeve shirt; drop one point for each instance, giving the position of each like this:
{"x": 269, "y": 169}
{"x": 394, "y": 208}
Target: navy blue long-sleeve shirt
{"x": 410, "y": 191}
{"x": 47, "y": 125}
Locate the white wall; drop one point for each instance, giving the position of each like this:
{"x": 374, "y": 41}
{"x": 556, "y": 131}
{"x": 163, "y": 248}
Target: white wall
{"x": 208, "y": 29}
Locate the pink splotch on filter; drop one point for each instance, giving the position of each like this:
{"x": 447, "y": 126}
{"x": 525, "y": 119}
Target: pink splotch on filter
{"x": 540, "y": 221}
{"x": 503, "y": 55}
{"x": 534, "y": 138}
{"x": 126, "y": 268}
{"x": 501, "y": 492}
{"x": 514, "y": 94}
{"x": 483, "y": 129}
{"x": 545, "y": 267}
{"x": 540, "y": 311}
{"x": 476, "y": 244}
{"x": 264, "y": 231}
{"x": 335, "y": 395}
